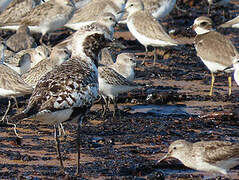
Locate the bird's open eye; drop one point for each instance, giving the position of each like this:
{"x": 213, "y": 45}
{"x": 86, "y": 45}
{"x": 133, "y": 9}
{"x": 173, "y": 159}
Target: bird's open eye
{"x": 111, "y": 18}
{"x": 131, "y": 4}
{"x": 174, "y": 148}
{"x": 203, "y": 24}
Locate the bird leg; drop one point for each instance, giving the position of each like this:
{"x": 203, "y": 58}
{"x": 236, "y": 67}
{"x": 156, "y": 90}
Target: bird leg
{"x": 229, "y": 85}
{"x": 79, "y": 125}
{"x": 8, "y": 123}
{"x": 43, "y": 44}
{"x": 155, "y": 55}
{"x": 58, "y": 148}
{"x": 212, "y": 82}
{"x": 208, "y": 10}
{"x": 61, "y": 130}
{"x": 8, "y": 108}
{"x": 115, "y": 106}
{"x": 105, "y": 106}
{"x": 146, "y": 55}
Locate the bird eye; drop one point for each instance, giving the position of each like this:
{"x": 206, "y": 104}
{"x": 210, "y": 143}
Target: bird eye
{"x": 174, "y": 148}
{"x": 131, "y": 4}
{"x": 111, "y": 18}
{"x": 203, "y": 23}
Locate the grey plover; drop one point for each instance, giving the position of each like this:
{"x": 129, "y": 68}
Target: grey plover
{"x": 218, "y": 56}
{"x": 124, "y": 65}
{"x": 93, "y": 9}
{"x": 234, "y": 23}
{"x": 69, "y": 90}
{"x": 145, "y": 28}
{"x": 57, "y": 57}
{"x": 111, "y": 84}
{"x": 15, "y": 11}
{"x": 209, "y": 156}
{"x": 21, "y": 40}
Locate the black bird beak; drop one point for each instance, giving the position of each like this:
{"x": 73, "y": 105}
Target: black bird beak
{"x": 229, "y": 68}
{"x": 119, "y": 12}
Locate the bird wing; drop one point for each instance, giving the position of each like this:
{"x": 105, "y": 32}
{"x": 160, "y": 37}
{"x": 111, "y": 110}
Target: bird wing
{"x": 215, "y": 47}
{"x": 35, "y": 16}
{"x": 114, "y": 78}
{"x": 150, "y": 27}
{"x": 11, "y": 80}
{"x": 216, "y": 151}
{"x": 72, "y": 84}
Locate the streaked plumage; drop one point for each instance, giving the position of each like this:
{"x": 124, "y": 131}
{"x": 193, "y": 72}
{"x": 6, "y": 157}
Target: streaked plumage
{"x": 16, "y": 10}
{"x": 37, "y": 54}
{"x": 111, "y": 84}
{"x": 57, "y": 57}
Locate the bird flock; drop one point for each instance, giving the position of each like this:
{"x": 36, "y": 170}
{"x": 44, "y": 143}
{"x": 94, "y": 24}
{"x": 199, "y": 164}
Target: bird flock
{"x": 65, "y": 80}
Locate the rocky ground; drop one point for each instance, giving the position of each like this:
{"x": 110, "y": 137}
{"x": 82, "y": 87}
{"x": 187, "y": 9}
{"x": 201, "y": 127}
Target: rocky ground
{"x": 174, "y": 104}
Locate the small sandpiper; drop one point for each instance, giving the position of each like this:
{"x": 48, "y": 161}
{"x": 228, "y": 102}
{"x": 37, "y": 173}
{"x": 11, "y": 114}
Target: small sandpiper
{"x": 124, "y": 65}
{"x": 215, "y": 50}
{"x": 145, "y": 28}
{"x": 111, "y": 84}
{"x": 209, "y": 156}
{"x": 234, "y": 23}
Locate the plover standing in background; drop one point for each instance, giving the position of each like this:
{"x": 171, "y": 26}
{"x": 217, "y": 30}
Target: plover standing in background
{"x": 209, "y": 156}
{"x": 159, "y": 9}
{"x": 15, "y": 11}
{"x": 21, "y": 40}
{"x": 57, "y": 57}
{"x": 145, "y": 28}
{"x": 93, "y": 9}
{"x": 37, "y": 54}
{"x": 124, "y": 65}
{"x": 111, "y": 84}
{"x": 12, "y": 85}
{"x": 215, "y": 50}
{"x": 234, "y": 23}
{"x": 69, "y": 90}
